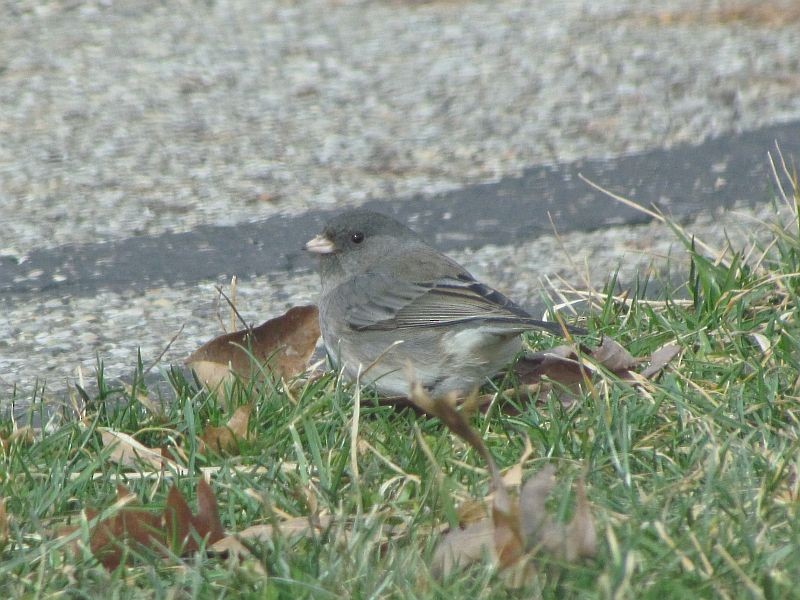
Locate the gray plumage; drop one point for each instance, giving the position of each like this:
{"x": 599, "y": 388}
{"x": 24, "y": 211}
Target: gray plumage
{"x": 390, "y": 300}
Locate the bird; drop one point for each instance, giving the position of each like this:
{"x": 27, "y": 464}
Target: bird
{"x": 393, "y": 309}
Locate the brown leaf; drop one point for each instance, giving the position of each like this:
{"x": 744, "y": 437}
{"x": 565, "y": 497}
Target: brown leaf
{"x": 132, "y": 527}
{"x": 445, "y": 410}
{"x": 284, "y": 344}
{"x": 128, "y": 452}
{"x": 183, "y": 528}
{"x": 460, "y": 548}
{"x": 290, "y": 528}
{"x": 532, "y": 500}
{"x": 559, "y": 364}
{"x": 613, "y": 356}
{"x": 3, "y": 523}
{"x": 137, "y": 529}
{"x": 576, "y": 540}
{"x": 22, "y": 436}
{"x": 508, "y": 543}
{"x": 564, "y": 365}
{"x": 207, "y": 521}
{"x": 660, "y": 359}
{"x": 225, "y": 439}
{"x": 505, "y": 538}
{"x": 581, "y": 533}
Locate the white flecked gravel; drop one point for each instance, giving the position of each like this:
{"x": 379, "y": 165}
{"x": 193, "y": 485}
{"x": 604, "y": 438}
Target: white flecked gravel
{"x": 123, "y": 118}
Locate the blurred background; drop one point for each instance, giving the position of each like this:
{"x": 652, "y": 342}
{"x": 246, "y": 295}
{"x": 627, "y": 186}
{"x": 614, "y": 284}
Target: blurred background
{"x": 127, "y": 119}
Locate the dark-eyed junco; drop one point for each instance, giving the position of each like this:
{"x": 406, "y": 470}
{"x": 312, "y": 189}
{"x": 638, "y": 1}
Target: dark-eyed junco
{"x": 389, "y": 300}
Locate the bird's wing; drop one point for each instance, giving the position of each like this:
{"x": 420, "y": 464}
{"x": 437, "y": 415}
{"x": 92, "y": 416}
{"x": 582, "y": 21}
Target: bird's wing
{"x": 378, "y": 302}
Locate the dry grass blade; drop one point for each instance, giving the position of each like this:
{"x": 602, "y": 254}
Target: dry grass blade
{"x": 291, "y": 528}
{"x": 655, "y": 214}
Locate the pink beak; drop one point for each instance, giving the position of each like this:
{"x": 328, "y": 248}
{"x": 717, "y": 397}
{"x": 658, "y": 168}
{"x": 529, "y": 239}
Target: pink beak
{"x": 320, "y": 245}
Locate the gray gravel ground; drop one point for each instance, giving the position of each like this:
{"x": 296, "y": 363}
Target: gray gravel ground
{"x": 126, "y": 118}
{"x": 123, "y": 118}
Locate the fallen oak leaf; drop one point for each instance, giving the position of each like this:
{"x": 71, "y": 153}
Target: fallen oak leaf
{"x": 184, "y": 528}
{"x": 126, "y": 451}
{"x": 225, "y": 439}
{"x": 236, "y": 543}
{"x": 22, "y": 436}
{"x": 131, "y": 528}
{"x": 284, "y": 344}
{"x": 613, "y": 356}
{"x": 135, "y": 529}
{"x": 660, "y": 358}
{"x": 581, "y": 535}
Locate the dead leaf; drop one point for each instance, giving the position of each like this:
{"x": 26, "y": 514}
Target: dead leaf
{"x": 445, "y": 410}
{"x": 505, "y": 537}
{"x": 508, "y": 543}
{"x": 566, "y": 366}
{"x": 284, "y": 344}
{"x": 128, "y": 452}
{"x": 135, "y": 529}
{"x": 660, "y": 359}
{"x": 225, "y": 439}
{"x": 131, "y": 528}
{"x": 183, "y": 528}
{"x": 290, "y": 528}
{"x": 23, "y": 436}
{"x": 581, "y": 533}
{"x": 613, "y": 356}
{"x": 517, "y": 525}
{"x": 532, "y": 500}
{"x": 460, "y": 548}
{"x": 559, "y": 364}
{"x": 3, "y": 523}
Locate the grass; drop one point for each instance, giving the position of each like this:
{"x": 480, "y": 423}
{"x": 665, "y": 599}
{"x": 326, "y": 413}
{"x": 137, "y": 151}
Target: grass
{"x": 693, "y": 478}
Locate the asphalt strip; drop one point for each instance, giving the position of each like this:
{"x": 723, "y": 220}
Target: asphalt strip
{"x": 682, "y": 181}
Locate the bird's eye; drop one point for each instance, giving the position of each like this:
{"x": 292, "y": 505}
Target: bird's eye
{"x": 357, "y": 237}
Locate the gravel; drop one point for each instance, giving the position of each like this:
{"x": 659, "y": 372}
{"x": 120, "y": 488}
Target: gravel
{"x": 127, "y": 118}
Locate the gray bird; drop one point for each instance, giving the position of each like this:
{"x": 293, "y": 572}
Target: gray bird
{"x": 390, "y": 301}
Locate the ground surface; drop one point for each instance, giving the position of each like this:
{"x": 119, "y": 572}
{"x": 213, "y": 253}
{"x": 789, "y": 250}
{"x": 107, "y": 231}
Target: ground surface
{"x": 125, "y": 123}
